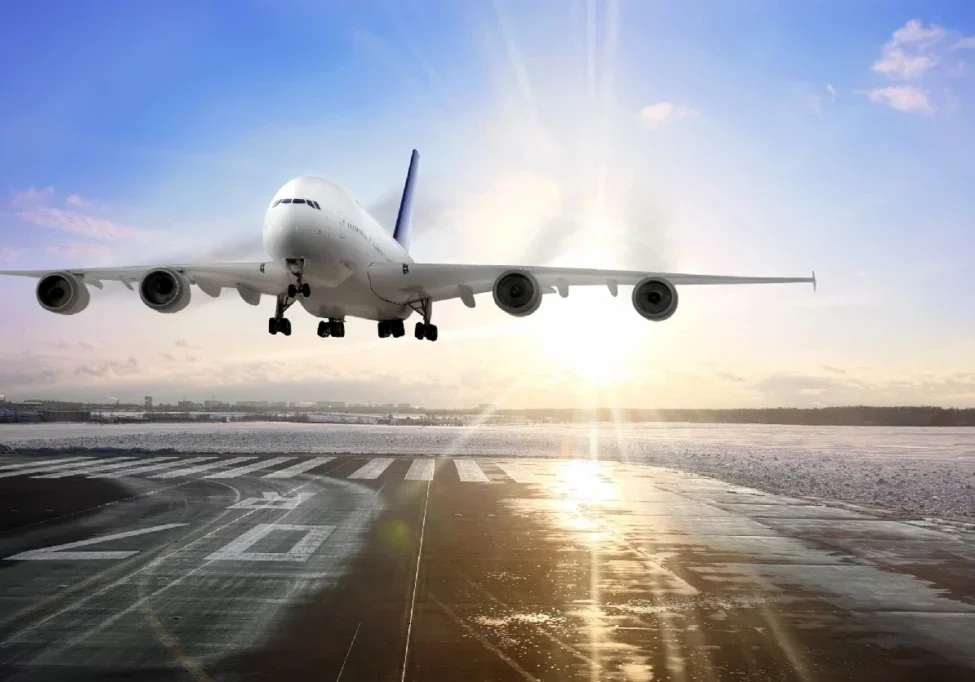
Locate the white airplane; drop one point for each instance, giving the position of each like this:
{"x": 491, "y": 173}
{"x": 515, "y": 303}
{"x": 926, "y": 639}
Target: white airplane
{"x": 328, "y": 253}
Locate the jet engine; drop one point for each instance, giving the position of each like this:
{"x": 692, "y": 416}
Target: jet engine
{"x": 655, "y": 298}
{"x": 517, "y": 293}
{"x": 165, "y": 290}
{"x": 62, "y": 293}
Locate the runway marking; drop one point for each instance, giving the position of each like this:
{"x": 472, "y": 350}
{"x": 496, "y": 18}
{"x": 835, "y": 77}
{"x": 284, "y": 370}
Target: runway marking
{"x": 47, "y": 462}
{"x": 301, "y": 551}
{"x": 100, "y": 467}
{"x": 273, "y": 500}
{"x": 517, "y": 473}
{"x": 250, "y": 468}
{"x": 152, "y": 467}
{"x": 204, "y": 467}
{"x": 39, "y": 469}
{"x": 420, "y": 470}
{"x": 469, "y": 472}
{"x": 416, "y": 581}
{"x": 346, "y": 659}
{"x": 299, "y": 468}
{"x": 373, "y": 469}
{"x": 57, "y": 552}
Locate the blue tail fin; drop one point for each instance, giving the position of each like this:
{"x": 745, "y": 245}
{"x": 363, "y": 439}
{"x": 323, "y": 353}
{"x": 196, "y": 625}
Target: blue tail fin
{"x": 404, "y": 221}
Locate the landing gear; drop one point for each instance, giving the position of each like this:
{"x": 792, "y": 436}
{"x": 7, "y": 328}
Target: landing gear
{"x": 334, "y": 328}
{"x": 303, "y": 289}
{"x": 425, "y": 330}
{"x": 394, "y": 328}
{"x": 296, "y": 266}
{"x": 279, "y": 323}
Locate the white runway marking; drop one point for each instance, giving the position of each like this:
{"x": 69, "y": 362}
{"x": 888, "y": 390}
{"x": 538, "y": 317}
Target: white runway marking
{"x": 299, "y": 468}
{"x": 100, "y": 467}
{"x": 517, "y": 472}
{"x": 273, "y": 501}
{"x": 469, "y": 472}
{"x": 153, "y": 467}
{"x": 46, "y": 462}
{"x": 42, "y": 468}
{"x": 301, "y": 551}
{"x": 420, "y": 470}
{"x": 250, "y": 468}
{"x": 373, "y": 469}
{"x": 203, "y": 467}
{"x": 57, "y": 552}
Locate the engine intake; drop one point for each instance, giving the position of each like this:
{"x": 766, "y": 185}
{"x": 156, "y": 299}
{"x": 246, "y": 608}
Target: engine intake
{"x": 655, "y": 298}
{"x": 62, "y": 293}
{"x": 517, "y": 293}
{"x": 165, "y": 290}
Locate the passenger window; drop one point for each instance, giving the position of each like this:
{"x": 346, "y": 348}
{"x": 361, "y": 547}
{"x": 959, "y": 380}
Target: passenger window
{"x": 286, "y": 201}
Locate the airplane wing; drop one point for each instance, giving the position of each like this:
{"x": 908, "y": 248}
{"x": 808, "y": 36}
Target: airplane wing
{"x": 412, "y": 282}
{"x": 249, "y": 279}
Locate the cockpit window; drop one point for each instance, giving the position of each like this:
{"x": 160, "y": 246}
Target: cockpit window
{"x": 275, "y": 203}
{"x": 286, "y": 201}
{"x": 297, "y": 201}
{"x": 315, "y": 204}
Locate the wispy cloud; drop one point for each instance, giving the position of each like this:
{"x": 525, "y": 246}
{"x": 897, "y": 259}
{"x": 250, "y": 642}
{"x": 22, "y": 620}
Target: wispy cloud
{"x": 75, "y": 200}
{"x": 35, "y": 206}
{"x": 967, "y": 43}
{"x": 656, "y": 115}
{"x": 908, "y": 55}
{"x": 10, "y": 256}
{"x": 907, "y": 98}
{"x": 834, "y": 370}
{"x": 831, "y": 91}
{"x": 80, "y": 248}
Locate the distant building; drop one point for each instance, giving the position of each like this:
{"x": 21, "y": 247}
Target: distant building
{"x": 148, "y": 402}
{"x": 404, "y": 406}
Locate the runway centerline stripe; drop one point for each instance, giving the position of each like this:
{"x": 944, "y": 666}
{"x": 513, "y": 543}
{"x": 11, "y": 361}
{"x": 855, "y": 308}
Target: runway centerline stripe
{"x": 420, "y": 470}
{"x": 373, "y": 469}
{"x": 47, "y": 462}
{"x": 98, "y": 468}
{"x": 153, "y": 467}
{"x": 516, "y": 472}
{"x": 299, "y": 468}
{"x": 469, "y": 471}
{"x": 58, "y": 467}
{"x": 204, "y": 467}
{"x": 250, "y": 468}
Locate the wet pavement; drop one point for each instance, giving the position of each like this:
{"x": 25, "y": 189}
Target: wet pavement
{"x": 390, "y": 568}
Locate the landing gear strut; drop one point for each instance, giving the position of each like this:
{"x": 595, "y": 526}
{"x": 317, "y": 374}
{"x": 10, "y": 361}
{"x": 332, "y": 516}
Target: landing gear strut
{"x": 333, "y": 327}
{"x": 425, "y": 330}
{"x": 279, "y": 323}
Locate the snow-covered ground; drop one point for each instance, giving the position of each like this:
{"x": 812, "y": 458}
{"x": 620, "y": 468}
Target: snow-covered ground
{"x": 919, "y": 472}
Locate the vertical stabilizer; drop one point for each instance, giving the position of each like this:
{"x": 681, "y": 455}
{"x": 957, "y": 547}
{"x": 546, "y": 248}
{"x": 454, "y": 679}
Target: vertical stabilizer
{"x": 404, "y": 220}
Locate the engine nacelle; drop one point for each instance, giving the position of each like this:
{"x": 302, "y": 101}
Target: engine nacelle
{"x": 655, "y": 298}
{"x": 517, "y": 293}
{"x": 62, "y": 293}
{"x": 165, "y": 290}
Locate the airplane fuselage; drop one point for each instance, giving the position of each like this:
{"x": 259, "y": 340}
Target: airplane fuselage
{"x": 335, "y": 240}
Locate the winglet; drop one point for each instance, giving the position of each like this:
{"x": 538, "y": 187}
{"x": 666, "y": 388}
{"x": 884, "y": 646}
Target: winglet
{"x": 404, "y": 220}
{"x": 814, "y": 280}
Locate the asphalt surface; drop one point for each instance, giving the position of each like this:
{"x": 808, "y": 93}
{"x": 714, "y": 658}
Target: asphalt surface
{"x": 193, "y": 567}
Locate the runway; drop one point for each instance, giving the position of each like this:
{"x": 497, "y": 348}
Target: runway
{"x": 254, "y": 567}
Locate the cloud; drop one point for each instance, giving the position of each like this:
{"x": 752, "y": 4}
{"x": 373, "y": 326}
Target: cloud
{"x": 831, "y": 91}
{"x": 10, "y": 256}
{"x": 728, "y": 376}
{"x": 908, "y": 55}
{"x": 35, "y": 207}
{"x": 656, "y": 115}
{"x": 79, "y": 248}
{"x": 108, "y": 369}
{"x": 907, "y": 98}
{"x": 183, "y": 343}
{"x": 834, "y": 370}
{"x": 965, "y": 44}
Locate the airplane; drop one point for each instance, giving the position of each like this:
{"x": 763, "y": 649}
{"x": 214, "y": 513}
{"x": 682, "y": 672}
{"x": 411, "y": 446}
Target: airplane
{"x": 329, "y": 254}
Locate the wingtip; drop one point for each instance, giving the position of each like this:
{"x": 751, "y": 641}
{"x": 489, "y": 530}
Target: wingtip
{"x": 814, "y": 281}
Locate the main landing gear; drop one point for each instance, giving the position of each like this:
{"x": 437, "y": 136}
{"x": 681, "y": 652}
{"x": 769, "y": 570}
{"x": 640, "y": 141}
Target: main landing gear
{"x": 394, "y": 328}
{"x": 334, "y": 328}
{"x": 279, "y": 323}
{"x": 424, "y": 330}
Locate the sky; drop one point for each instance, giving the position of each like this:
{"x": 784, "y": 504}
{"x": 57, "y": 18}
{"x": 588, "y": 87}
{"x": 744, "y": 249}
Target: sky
{"x": 753, "y": 138}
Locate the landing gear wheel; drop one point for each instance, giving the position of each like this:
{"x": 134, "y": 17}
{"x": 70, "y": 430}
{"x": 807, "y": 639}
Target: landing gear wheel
{"x": 323, "y": 330}
{"x": 272, "y": 326}
{"x": 431, "y": 331}
{"x": 306, "y": 290}
{"x": 336, "y": 328}
{"x": 397, "y": 328}
{"x": 384, "y": 330}
{"x": 292, "y": 291}
{"x": 421, "y": 331}
{"x": 284, "y": 326}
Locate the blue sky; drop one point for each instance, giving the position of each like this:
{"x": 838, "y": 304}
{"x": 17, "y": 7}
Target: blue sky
{"x": 748, "y": 137}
